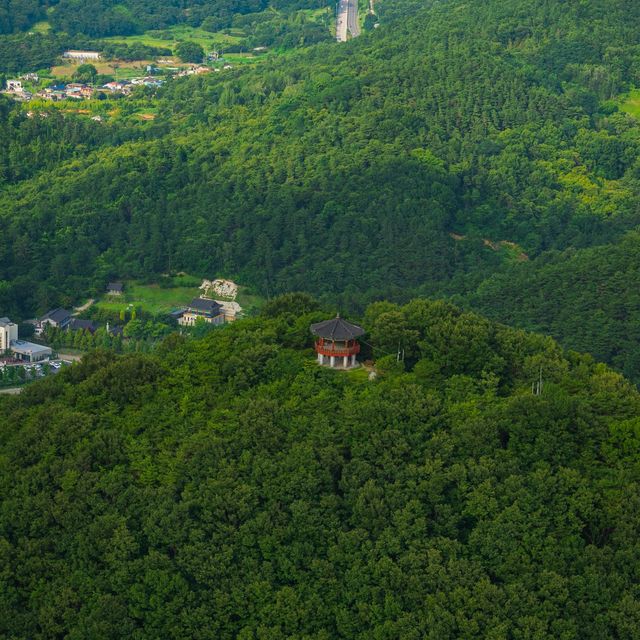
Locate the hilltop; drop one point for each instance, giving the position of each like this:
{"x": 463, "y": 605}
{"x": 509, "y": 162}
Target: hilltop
{"x": 230, "y": 487}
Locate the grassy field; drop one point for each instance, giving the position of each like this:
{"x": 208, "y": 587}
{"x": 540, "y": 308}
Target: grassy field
{"x": 125, "y": 70}
{"x": 631, "y": 103}
{"x": 248, "y": 301}
{"x": 158, "y": 300}
{"x": 150, "y": 298}
{"x": 41, "y": 27}
{"x": 169, "y": 38}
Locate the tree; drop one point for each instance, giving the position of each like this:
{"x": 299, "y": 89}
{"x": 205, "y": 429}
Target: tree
{"x": 85, "y": 73}
{"x": 190, "y": 51}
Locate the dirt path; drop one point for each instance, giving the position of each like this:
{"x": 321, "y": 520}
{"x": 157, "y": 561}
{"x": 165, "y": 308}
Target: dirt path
{"x": 84, "y": 307}
{"x": 71, "y": 357}
{"x": 11, "y": 391}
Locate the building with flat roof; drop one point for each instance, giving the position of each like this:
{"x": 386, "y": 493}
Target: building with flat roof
{"x": 29, "y": 351}
{"x": 8, "y": 333}
{"x": 74, "y": 54}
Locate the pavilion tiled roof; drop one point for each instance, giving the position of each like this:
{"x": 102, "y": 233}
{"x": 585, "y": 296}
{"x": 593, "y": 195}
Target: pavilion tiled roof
{"x": 337, "y": 329}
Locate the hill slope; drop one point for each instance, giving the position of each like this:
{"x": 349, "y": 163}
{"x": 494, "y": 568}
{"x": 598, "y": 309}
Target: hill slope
{"x": 344, "y": 170}
{"x": 234, "y": 489}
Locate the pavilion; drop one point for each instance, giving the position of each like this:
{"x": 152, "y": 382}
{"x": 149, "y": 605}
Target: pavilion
{"x": 337, "y": 344}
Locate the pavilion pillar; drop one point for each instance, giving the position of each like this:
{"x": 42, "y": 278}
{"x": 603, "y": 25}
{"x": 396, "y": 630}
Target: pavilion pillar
{"x": 346, "y": 361}
{"x": 320, "y": 358}
{"x": 333, "y": 361}
{"x": 353, "y": 360}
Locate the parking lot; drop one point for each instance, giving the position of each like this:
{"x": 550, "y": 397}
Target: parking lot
{"x": 13, "y": 372}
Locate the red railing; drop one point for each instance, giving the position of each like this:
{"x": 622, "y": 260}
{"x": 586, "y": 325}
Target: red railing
{"x": 330, "y": 349}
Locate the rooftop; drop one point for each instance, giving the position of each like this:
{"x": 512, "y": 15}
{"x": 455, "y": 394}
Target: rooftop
{"x": 115, "y": 286}
{"x": 205, "y": 305}
{"x": 337, "y": 329}
{"x": 22, "y": 346}
{"x": 78, "y": 324}
{"x": 57, "y": 315}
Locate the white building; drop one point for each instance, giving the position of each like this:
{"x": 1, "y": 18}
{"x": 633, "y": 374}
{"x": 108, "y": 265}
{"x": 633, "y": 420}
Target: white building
{"x": 14, "y": 86}
{"x": 29, "y": 351}
{"x": 8, "y": 333}
{"x": 81, "y": 55}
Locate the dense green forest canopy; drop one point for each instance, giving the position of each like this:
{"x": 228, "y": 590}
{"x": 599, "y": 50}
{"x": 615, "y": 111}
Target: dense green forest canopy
{"x": 19, "y": 15}
{"x": 100, "y": 18}
{"x": 394, "y": 164}
{"x": 232, "y": 488}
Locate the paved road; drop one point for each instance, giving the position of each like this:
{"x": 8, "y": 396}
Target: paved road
{"x": 341, "y": 20}
{"x": 352, "y": 18}
{"x": 347, "y": 20}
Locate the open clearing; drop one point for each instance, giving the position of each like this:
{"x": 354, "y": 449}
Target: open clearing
{"x": 154, "y": 299}
{"x": 169, "y": 38}
{"x": 150, "y": 298}
{"x": 125, "y": 70}
{"x": 631, "y": 103}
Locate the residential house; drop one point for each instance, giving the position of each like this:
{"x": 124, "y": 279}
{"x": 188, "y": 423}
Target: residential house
{"x": 59, "y": 318}
{"x": 115, "y": 289}
{"x": 77, "y": 324}
{"x": 209, "y": 310}
{"x": 118, "y": 87}
{"x": 79, "y": 91}
{"x": 148, "y": 81}
{"x": 177, "y": 314}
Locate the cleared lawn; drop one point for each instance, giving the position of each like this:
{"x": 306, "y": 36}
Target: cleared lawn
{"x": 150, "y": 298}
{"x": 631, "y": 104}
{"x": 157, "y": 300}
{"x": 41, "y": 27}
{"x": 169, "y": 38}
{"x": 249, "y": 301}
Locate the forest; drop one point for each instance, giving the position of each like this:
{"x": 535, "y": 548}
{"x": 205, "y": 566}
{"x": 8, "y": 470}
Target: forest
{"x": 463, "y": 181}
{"x": 229, "y": 487}
{"x": 433, "y": 157}
{"x": 101, "y": 18}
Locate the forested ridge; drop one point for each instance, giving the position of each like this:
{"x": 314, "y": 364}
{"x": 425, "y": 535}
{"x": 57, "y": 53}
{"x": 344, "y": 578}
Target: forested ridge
{"x": 389, "y": 166}
{"x": 100, "y": 18}
{"x": 230, "y": 487}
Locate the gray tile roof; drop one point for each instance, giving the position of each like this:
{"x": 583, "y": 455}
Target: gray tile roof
{"x": 204, "y": 305}
{"x": 337, "y": 329}
{"x": 57, "y": 315}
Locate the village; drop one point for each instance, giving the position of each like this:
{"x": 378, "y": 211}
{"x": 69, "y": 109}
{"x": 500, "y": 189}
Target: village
{"x": 29, "y": 357}
{"x": 32, "y": 86}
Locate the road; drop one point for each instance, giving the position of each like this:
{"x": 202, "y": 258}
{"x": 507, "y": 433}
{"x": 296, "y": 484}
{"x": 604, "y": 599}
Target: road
{"x": 84, "y": 307}
{"x": 347, "y": 20}
{"x": 11, "y": 391}
{"x": 70, "y": 356}
{"x": 352, "y": 18}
